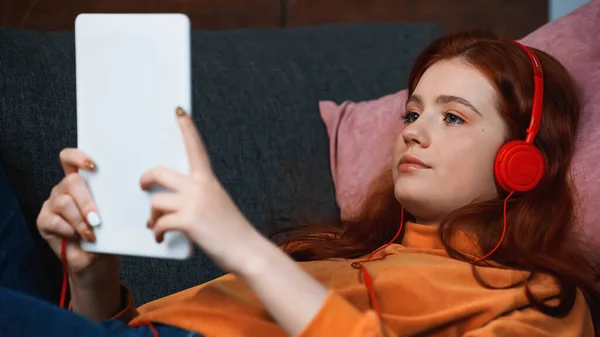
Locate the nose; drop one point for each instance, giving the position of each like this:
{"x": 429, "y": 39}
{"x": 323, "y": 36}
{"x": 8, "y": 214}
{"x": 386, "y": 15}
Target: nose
{"x": 415, "y": 134}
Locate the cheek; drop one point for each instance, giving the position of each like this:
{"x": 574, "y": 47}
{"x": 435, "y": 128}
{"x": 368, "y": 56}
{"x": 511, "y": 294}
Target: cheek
{"x": 469, "y": 158}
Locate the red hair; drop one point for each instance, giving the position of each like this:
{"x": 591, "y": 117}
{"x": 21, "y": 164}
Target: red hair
{"x": 542, "y": 233}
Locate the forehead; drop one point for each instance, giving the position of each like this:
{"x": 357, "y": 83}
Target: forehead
{"x": 456, "y": 78}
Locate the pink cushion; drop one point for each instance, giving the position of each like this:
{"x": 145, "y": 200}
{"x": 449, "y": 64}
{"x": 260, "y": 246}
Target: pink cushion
{"x": 358, "y": 131}
{"x": 575, "y": 41}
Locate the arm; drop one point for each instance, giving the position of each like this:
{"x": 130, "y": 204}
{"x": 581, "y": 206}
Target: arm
{"x": 292, "y": 296}
{"x": 126, "y": 309}
{"x": 102, "y": 298}
{"x": 201, "y": 208}
{"x": 299, "y": 303}
{"x": 96, "y": 294}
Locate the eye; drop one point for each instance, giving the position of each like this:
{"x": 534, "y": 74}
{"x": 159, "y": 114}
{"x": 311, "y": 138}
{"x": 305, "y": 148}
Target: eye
{"x": 452, "y": 119}
{"x": 409, "y": 117}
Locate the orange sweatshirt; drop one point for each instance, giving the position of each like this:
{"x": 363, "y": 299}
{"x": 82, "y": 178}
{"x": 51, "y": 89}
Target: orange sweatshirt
{"x": 420, "y": 291}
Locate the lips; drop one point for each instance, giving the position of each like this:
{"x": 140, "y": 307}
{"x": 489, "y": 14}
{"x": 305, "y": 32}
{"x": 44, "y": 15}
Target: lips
{"x": 409, "y": 163}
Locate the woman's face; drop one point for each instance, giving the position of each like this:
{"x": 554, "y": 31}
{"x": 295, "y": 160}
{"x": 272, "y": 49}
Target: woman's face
{"x": 454, "y": 128}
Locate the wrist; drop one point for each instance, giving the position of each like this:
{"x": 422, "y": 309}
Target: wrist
{"x": 104, "y": 271}
{"x": 96, "y": 290}
{"x": 97, "y": 304}
{"x": 258, "y": 256}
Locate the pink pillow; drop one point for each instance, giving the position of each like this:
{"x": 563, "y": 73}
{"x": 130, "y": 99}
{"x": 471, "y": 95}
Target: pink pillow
{"x": 357, "y": 131}
{"x": 575, "y": 41}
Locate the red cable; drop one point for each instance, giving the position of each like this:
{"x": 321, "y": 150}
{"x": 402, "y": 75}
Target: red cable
{"x": 65, "y": 280}
{"x": 501, "y": 236}
{"x": 366, "y": 276}
{"x": 149, "y": 324}
{"x": 63, "y": 254}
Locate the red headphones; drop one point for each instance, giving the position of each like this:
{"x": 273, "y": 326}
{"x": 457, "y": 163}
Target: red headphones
{"x": 519, "y": 165}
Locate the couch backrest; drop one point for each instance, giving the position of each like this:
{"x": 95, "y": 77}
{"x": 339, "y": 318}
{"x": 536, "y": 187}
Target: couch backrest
{"x": 255, "y": 102}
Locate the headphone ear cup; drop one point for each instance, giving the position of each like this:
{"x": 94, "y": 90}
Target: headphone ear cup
{"x": 519, "y": 166}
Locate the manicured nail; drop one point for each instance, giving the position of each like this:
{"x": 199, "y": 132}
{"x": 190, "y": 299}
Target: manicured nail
{"x": 180, "y": 112}
{"x": 159, "y": 238}
{"x": 90, "y": 165}
{"x": 149, "y": 224}
{"x": 94, "y": 219}
{"x": 89, "y": 236}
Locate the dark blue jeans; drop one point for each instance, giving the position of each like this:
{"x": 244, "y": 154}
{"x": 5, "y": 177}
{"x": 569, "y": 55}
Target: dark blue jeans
{"x": 23, "y": 312}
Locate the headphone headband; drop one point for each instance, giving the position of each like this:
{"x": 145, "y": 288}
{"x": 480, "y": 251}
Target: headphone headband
{"x": 519, "y": 164}
{"x": 538, "y": 94}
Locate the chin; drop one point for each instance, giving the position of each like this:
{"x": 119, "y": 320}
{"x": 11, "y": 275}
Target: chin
{"x": 413, "y": 194}
{"x": 417, "y": 206}
{"x": 409, "y": 190}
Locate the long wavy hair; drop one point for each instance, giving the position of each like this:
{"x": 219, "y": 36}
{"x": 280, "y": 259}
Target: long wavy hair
{"x": 543, "y": 229}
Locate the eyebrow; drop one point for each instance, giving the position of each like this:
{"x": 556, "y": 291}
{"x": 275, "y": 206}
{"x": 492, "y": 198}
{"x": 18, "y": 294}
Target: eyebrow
{"x": 445, "y": 99}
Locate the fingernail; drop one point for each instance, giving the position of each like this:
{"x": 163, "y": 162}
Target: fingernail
{"x": 180, "y": 112}
{"x": 159, "y": 238}
{"x": 90, "y": 165}
{"x": 89, "y": 236}
{"x": 94, "y": 219}
{"x": 149, "y": 224}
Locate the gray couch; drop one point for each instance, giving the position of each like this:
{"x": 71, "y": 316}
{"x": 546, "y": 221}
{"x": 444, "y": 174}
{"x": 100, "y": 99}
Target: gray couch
{"x": 255, "y": 102}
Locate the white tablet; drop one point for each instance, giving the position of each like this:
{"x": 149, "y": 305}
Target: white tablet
{"x": 132, "y": 72}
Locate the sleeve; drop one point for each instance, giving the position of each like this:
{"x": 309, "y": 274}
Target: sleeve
{"x": 128, "y": 310}
{"x": 338, "y": 317}
{"x": 533, "y": 323}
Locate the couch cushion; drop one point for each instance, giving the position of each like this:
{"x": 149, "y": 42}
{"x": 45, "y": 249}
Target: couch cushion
{"x": 255, "y": 102}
